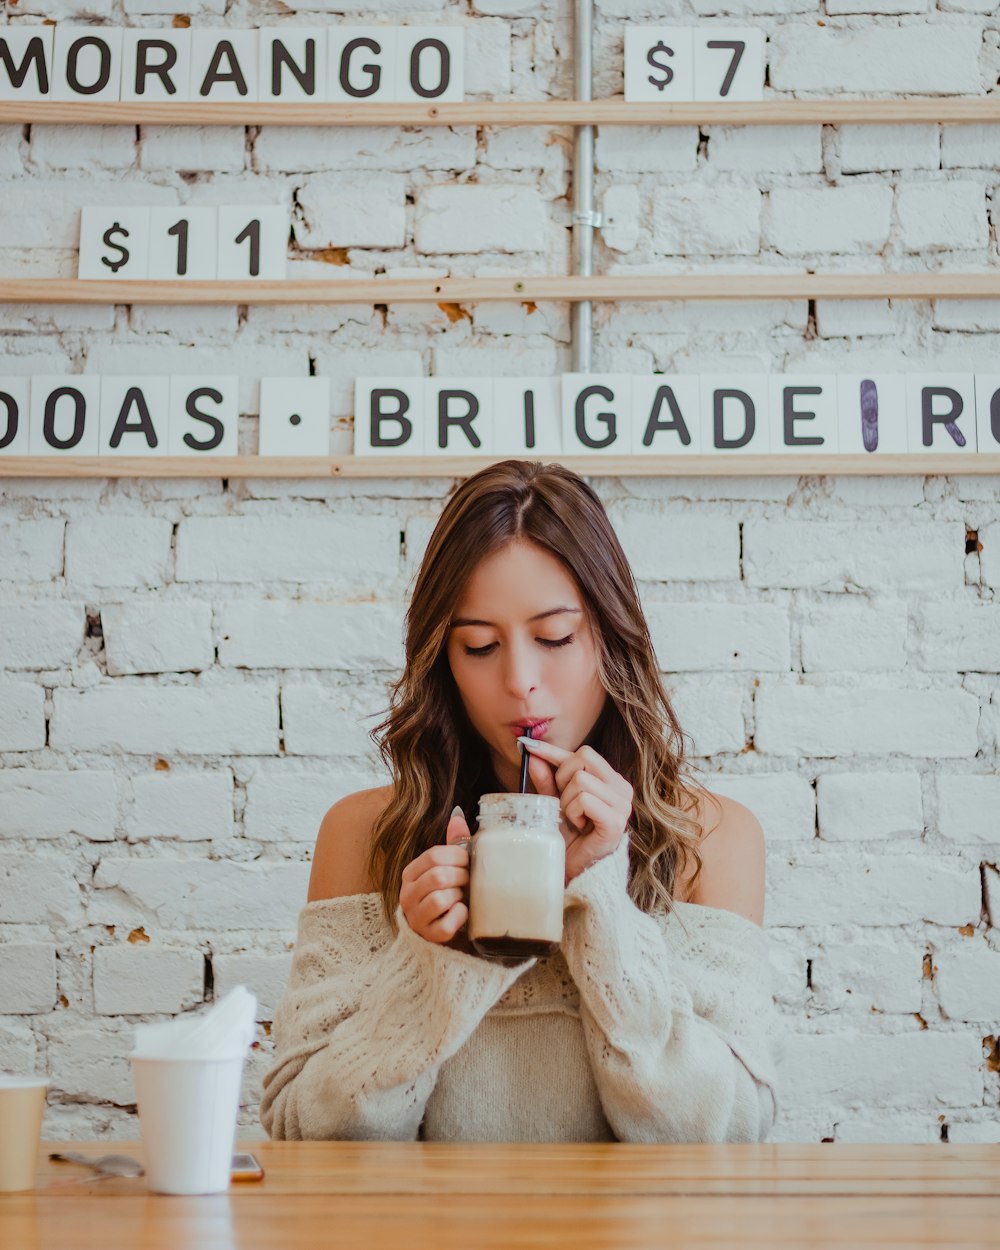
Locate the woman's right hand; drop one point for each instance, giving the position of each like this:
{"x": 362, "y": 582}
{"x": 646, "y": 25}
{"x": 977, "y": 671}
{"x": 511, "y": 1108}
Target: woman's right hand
{"x": 435, "y": 884}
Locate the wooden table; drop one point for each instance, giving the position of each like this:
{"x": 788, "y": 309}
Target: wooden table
{"x": 431, "y": 1196}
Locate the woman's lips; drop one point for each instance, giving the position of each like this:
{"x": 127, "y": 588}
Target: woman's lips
{"x": 538, "y": 731}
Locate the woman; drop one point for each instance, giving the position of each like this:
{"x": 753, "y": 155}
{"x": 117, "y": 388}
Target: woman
{"x": 654, "y": 1020}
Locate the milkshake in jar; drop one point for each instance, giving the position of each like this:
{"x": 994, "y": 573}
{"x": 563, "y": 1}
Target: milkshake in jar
{"x": 517, "y": 875}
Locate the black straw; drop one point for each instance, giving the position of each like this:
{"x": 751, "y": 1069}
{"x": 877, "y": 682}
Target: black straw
{"x": 524, "y": 762}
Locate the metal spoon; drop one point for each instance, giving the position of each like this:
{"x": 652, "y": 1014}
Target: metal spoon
{"x": 107, "y": 1165}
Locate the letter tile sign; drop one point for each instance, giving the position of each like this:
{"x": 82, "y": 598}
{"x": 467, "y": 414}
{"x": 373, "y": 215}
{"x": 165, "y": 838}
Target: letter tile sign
{"x": 337, "y": 62}
{"x": 729, "y": 414}
{"x": 106, "y": 415}
{"x": 597, "y": 414}
{"x": 580, "y": 415}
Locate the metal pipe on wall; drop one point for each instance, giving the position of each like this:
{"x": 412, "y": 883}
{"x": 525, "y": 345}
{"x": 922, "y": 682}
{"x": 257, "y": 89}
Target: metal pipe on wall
{"x": 584, "y": 217}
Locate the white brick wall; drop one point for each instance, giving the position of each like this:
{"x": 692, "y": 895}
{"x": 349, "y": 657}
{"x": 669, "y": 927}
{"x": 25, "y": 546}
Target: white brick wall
{"x": 477, "y": 219}
{"x": 138, "y": 980}
{"x": 867, "y": 148}
{"x": 117, "y": 551}
{"x": 31, "y": 551}
{"x": 141, "y": 719}
{"x": 22, "y": 716}
{"x": 367, "y": 211}
{"x": 44, "y": 634}
{"x": 707, "y": 220}
{"x": 186, "y": 807}
{"x": 834, "y": 886}
{"x": 938, "y": 217}
{"x": 36, "y": 888}
{"x": 39, "y": 803}
{"x": 150, "y": 636}
{"x": 27, "y": 978}
{"x": 907, "y": 1070}
{"x": 932, "y": 58}
{"x": 861, "y": 975}
{"x": 196, "y": 893}
{"x": 189, "y": 669}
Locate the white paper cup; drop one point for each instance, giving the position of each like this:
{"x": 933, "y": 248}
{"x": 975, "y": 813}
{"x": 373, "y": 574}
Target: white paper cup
{"x": 22, "y": 1104}
{"x": 187, "y": 1117}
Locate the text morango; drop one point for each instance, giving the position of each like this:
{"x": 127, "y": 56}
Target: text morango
{"x": 294, "y": 64}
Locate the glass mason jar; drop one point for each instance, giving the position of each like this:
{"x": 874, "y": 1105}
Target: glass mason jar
{"x": 517, "y": 876}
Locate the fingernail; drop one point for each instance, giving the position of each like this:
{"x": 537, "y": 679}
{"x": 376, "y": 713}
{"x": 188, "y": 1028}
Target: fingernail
{"x": 528, "y": 741}
{"x": 456, "y": 811}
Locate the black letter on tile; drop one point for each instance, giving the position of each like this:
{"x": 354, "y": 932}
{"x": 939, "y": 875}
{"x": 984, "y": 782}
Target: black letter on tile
{"x": 13, "y": 417}
{"x": 144, "y": 68}
{"x": 72, "y": 56}
{"x": 529, "y": 418}
{"x": 789, "y": 416}
{"x": 665, "y": 395}
{"x": 376, "y": 416}
{"x": 224, "y": 48}
{"x": 947, "y": 419}
{"x": 719, "y": 437}
{"x": 306, "y": 78}
{"x": 430, "y": 93}
{"x": 607, "y": 417}
{"x": 35, "y": 51}
{"x": 373, "y": 71}
{"x": 143, "y": 425}
{"x": 995, "y": 416}
{"x": 49, "y": 417}
{"x": 465, "y": 421}
{"x": 191, "y": 408}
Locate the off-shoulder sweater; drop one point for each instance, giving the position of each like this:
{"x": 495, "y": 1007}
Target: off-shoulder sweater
{"x": 642, "y": 1027}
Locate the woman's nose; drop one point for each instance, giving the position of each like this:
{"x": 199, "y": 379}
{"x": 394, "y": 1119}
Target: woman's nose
{"x": 520, "y": 670}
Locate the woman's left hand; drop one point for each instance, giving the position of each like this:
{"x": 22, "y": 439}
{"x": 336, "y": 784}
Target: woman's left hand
{"x": 595, "y": 801}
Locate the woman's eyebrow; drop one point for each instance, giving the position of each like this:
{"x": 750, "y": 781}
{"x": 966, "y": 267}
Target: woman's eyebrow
{"x": 468, "y": 620}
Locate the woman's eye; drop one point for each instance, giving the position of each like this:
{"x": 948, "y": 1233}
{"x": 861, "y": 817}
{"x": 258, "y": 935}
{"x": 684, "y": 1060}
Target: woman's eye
{"x": 546, "y": 642}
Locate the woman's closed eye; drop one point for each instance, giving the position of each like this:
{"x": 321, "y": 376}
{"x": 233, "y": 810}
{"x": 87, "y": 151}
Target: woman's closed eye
{"x": 546, "y": 642}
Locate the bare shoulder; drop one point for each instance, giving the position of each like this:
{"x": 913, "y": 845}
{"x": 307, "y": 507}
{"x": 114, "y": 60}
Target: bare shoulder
{"x": 340, "y": 860}
{"x": 733, "y": 859}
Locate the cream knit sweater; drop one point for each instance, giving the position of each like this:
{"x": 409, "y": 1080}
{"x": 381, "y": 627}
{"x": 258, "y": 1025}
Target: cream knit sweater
{"x": 641, "y": 1028}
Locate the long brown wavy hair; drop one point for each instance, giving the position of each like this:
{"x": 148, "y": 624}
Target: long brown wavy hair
{"x": 437, "y": 758}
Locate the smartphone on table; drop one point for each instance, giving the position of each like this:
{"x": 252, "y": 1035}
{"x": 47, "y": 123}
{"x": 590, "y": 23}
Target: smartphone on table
{"x": 245, "y": 1167}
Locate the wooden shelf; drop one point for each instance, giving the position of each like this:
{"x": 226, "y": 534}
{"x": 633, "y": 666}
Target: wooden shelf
{"x": 621, "y": 286}
{"x": 461, "y": 466}
{"x": 608, "y": 112}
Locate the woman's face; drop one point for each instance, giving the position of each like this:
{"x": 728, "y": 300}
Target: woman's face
{"x": 515, "y": 660}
